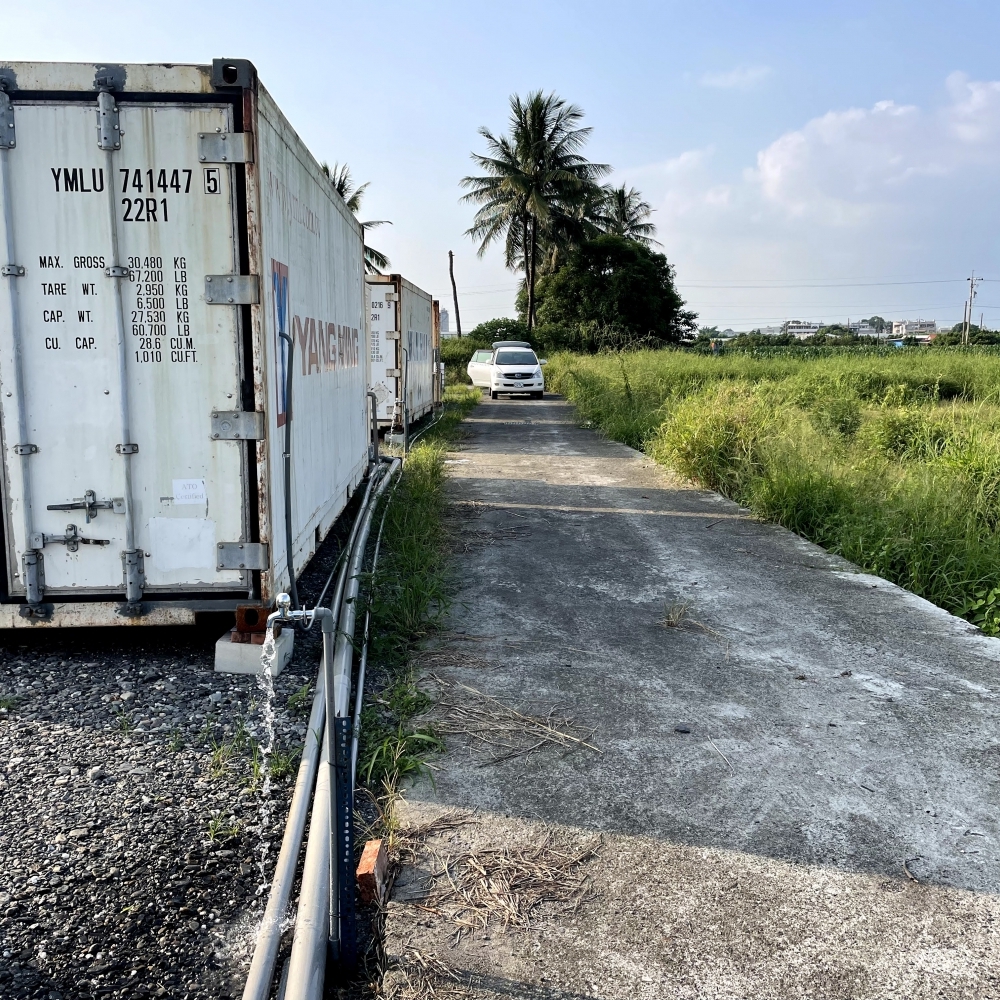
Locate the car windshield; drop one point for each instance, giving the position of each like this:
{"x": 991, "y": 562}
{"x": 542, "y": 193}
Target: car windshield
{"x": 523, "y": 358}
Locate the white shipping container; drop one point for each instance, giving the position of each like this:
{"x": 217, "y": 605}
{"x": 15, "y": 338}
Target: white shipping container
{"x": 170, "y": 244}
{"x": 402, "y": 349}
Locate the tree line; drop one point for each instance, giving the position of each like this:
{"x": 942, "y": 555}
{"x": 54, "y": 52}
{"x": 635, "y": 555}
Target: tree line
{"x": 590, "y": 277}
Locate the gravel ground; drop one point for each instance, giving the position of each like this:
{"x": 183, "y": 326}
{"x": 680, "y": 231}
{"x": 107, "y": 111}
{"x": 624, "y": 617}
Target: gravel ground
{"x": 131, "y": 816}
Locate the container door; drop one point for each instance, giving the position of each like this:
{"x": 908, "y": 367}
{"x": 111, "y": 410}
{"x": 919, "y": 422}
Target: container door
{"x": 172, "y": 218}
{"x": 384, "y": 349}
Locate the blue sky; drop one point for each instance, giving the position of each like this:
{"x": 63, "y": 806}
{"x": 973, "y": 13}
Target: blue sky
{"x": 815, "y": 161}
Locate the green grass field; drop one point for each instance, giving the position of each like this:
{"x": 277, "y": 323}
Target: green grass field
{"x": 889, "y": 459}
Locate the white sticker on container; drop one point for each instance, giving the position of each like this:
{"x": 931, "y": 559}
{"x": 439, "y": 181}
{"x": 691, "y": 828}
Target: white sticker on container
{"x": 189, "y": 491}
{"x": 182, "y": 544}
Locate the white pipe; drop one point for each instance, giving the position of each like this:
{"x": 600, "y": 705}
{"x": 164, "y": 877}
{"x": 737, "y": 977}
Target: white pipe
{"x": 317, "y": 924}
{"x": 258, "y": 985}
{"x": 307, "y": 964}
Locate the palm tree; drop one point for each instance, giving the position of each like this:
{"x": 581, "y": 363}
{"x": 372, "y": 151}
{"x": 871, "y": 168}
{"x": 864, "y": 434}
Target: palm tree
{"x": 624, "y": 213}
{"x": 534, "y": 182}
{"x": 340, "y": 176}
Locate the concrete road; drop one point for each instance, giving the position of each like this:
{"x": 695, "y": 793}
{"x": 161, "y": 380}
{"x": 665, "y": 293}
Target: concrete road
{"x": 797, "y": 774}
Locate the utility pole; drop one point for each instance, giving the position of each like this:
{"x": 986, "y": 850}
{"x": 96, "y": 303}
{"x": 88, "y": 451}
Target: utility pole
{"x": 454, "y": 293}
{"x": 973, "y": 284}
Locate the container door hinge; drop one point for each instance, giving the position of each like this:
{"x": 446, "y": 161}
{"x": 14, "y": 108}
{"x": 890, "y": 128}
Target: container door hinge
{"x": 118, "y": 272}
{"x": 26, "y": 449}
{"x": 33, "y": 568}
{"x": 237, "y": 425}
{"x": 392, "y": 334}
{"x": 7, "y": 132}
{"x": 391, "y": 296}
{"x": 394, "y": 372}
{"x": 12, "y": 271}
{"x": 109, "y": 133}
{"x": 243, "y": 555}
{"x": 232, "y": 289}
{"x": 133, "y": 572}
{"x": 127, "y": 449}
{"x": 225, "y": 147}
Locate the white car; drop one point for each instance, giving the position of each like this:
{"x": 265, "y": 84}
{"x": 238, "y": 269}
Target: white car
{"x": 510, "y": 367}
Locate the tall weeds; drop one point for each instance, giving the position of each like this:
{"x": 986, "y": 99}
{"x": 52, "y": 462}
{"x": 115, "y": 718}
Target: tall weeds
{"x": 892, "y": 460}
{"x": 410, "y": 594}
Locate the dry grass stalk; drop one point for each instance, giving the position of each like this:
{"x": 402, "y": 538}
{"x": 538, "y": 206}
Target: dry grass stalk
{"x": 505, "y": 885}
{"x": 473, "y": 538}
{"x": 504, "y": 731}
{"x": 440, "y": 659}
{"x": 676, "y": 616}
{"x": 409, "y": 838}
{"x": 422, "y": 977}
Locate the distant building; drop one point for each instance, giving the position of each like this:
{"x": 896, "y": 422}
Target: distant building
{"x": 913, "y": 327}
{"x": 771, "y": 331}
{"x": 862, "y": 328}
{"x": 797, "y": 328}
{"x": 444, "y": 321}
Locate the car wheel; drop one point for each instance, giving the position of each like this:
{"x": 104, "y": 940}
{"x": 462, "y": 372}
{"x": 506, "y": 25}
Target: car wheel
{"x": 537, "y": 395}
{"x": 493, "y": 395}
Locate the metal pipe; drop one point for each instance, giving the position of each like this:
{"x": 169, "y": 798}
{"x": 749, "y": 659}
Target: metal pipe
{"x": 258, "y": 985}
{"x": 119, "y": 273}
{"x": 287, "y": 460}
{"x": 406, "y": 389}
{"x": 312, "y": 931}
{"x": 342, "y": 915}
{"x": 307, "y": 964}
{"x": 344, "y": 654}
{"x": 373, "y": 452}
{"x": 335, "y": 603}
{"x": 31, "y": 557}
{"x": 360, "y": 686}
{"x": 261, "y": 974}
{"x": 318, "y": 923}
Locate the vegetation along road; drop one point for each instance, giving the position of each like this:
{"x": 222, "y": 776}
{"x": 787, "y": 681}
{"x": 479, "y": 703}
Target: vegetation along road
{"x": 688, "y": 752}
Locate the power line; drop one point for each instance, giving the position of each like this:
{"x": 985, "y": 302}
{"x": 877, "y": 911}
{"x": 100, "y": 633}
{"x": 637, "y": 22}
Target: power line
{"x": 857, "y": 284}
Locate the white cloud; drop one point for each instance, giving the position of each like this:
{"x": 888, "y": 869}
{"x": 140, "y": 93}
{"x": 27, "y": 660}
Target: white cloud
{"x": 738, "y": 78}
{"x": 888, "y": 190}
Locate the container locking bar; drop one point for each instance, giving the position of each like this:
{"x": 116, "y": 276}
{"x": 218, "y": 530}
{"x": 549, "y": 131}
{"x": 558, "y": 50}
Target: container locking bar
{"x": 225, "y": 147}
{"x": 109, "y": 139}
{"x": 72, "y": 539}
{"x": 32, "y": 568}
{"x": 232, "y": 289}
{"x": 90, "y": 505}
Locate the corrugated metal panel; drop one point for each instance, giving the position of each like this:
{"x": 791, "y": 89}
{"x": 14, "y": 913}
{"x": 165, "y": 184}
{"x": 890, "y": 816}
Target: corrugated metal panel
{"x": 383, "y": 345}
{"x": 416, "y": 328}
{"x": 311, "y": 249}
{"x": 176, "y": 220}
{"x": 182, "y": 355}
{"x": 401, "y": 338}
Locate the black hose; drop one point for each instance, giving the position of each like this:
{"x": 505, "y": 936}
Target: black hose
{"x": 293, "y": 590}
